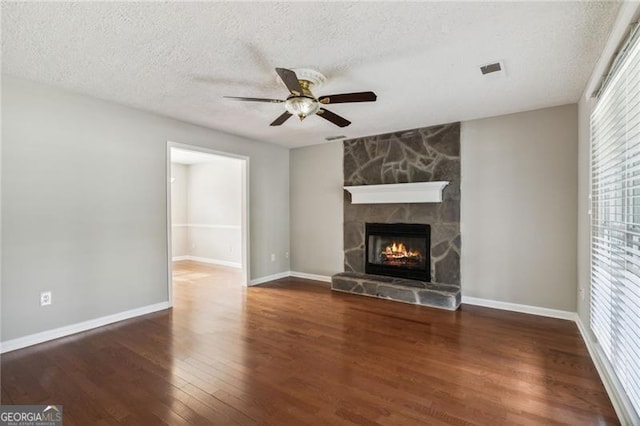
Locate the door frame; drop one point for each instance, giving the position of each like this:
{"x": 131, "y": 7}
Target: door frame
{"x": 246, "y": 273}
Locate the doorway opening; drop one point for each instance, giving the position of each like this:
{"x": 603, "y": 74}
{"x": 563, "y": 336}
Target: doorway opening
{"x": 207, "y": 221}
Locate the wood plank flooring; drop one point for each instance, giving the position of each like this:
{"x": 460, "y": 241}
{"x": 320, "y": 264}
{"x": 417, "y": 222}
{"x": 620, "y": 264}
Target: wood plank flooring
{"x": 291, "y": 352}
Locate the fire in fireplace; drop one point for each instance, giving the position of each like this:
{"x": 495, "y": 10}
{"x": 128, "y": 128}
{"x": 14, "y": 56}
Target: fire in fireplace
{"x": 398, "y": 250}
{"x": 398, "y": 254}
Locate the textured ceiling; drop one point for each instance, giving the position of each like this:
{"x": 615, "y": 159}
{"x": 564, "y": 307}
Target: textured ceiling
{"x": 179, "y": 59}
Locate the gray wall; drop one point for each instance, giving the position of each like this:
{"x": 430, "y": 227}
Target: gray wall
{"x": 206, "y": 210}
{"x": 84, "y": 205}
{"x": 519, "y": 180}
{"x": 215, "y": 210}
{"x": 316, "y": 209}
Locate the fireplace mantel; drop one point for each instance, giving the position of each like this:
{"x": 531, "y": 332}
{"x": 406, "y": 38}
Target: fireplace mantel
{"x": 417, "y": 192}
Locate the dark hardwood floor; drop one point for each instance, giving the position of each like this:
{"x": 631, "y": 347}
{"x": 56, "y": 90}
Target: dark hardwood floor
{"x": 292, "y": 352}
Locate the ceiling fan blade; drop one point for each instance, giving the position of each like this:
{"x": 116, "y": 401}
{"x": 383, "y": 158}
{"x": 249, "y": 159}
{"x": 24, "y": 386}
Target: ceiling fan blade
{"x": 290, "y": 79}
{"x": 348, "y": 97}
{"x": 284, "y": 117}
{"x": 334, "y": 118}
{"x": 238, "y": 98}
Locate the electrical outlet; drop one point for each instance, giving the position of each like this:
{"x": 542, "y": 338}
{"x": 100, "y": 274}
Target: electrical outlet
{"x": 45, "y": 298}
{"x": 581, "y": 292}
{"x": 230, "y": 248}
{"x": 273, "y": 257}
{"x": 286, "y": 254}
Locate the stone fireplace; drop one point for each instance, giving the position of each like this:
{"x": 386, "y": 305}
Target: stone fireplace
{"x": 420, "y": 155}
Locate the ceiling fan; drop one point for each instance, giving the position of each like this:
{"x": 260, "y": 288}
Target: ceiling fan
{"x": 302, "y": 103}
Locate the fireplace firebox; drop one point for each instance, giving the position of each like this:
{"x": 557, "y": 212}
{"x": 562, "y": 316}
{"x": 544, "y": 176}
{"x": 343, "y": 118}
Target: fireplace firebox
{"x": 400, "y": 250}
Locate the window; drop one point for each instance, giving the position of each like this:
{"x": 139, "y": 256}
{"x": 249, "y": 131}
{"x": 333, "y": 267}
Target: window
{"x": 615, "y": 220}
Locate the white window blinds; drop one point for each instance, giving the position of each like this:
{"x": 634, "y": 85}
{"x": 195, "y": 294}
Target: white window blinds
{"x": 615, "y": 221}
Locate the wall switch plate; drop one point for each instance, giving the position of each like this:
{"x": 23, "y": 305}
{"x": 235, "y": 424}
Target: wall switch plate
{"x": 273, "y": 257}
{"x": 45, "y": 298}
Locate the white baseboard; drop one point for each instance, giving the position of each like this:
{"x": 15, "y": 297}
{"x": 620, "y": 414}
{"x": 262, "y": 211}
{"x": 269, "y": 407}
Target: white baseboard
{"x": 315, "y": 277}
{"x": 33, "y": 339}
{"x": 230, "y": 264}
{"x": 516, "y": 307}
{"x": 622, "y": 405}
{"x": 268, "y": 278}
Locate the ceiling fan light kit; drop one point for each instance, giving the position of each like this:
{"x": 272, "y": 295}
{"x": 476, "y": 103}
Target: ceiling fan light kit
{"x": 302, "y": 106}
{"x": 302, "y": 103}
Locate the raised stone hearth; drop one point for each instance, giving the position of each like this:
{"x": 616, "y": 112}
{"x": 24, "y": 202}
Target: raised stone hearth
{"x": 443, "y": 296}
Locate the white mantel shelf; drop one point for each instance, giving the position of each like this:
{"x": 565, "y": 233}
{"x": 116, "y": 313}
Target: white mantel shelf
{"x": 419, "y": 192}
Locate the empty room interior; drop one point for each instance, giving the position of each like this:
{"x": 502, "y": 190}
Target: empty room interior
{"x": 323, "y": 213}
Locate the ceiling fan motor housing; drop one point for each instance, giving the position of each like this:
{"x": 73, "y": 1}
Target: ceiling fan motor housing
{"x": 314, "y": 78}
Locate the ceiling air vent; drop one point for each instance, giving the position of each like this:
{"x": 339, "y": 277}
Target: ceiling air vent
{"x": 334, "y": 138}
{"x": 495, "y": 67}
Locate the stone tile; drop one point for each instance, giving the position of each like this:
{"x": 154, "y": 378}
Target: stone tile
{"x": 349, "y": 166}
{"x": 394, "y": 154}
{"x": 360, "y": 154}
{"x": 370, "y": 288}
{"x": 353, "y": 235}
{"x": 395, "y": 293}
{"x": 354, "y": 260}
{"x": 439, "y": 249}
{"x": 446, "y": 169}
{"x": 399, "y": 213}
{"x": 427, "y": 294}
{"x": 447, "y": 140}
{"x": 402, "y": 177}
{"x": 371, "y": 146}
{"x": 449, "y": 211}
{"x": 457, "y": 243}
{"x": 343, "y": 284}
{"x": 418, "y": 175}
{"x": 444, "y": 232}
{"x": 371, "y": 172}
{"x": 451, "y": 193}
{"x": 439, "y": 300}
{"x": 423, "y": 213}
{"x": 358, "y": 289}
{"x": 448, "y": 268}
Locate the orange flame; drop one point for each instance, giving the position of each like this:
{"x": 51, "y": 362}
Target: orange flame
{"x": 399, "y": 251}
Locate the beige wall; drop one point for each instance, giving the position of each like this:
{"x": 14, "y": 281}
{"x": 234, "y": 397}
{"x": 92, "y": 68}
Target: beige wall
{"x": 519, "y": 186}
{"x": 84, "y": 205}
{"x": 316, "y": 209}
